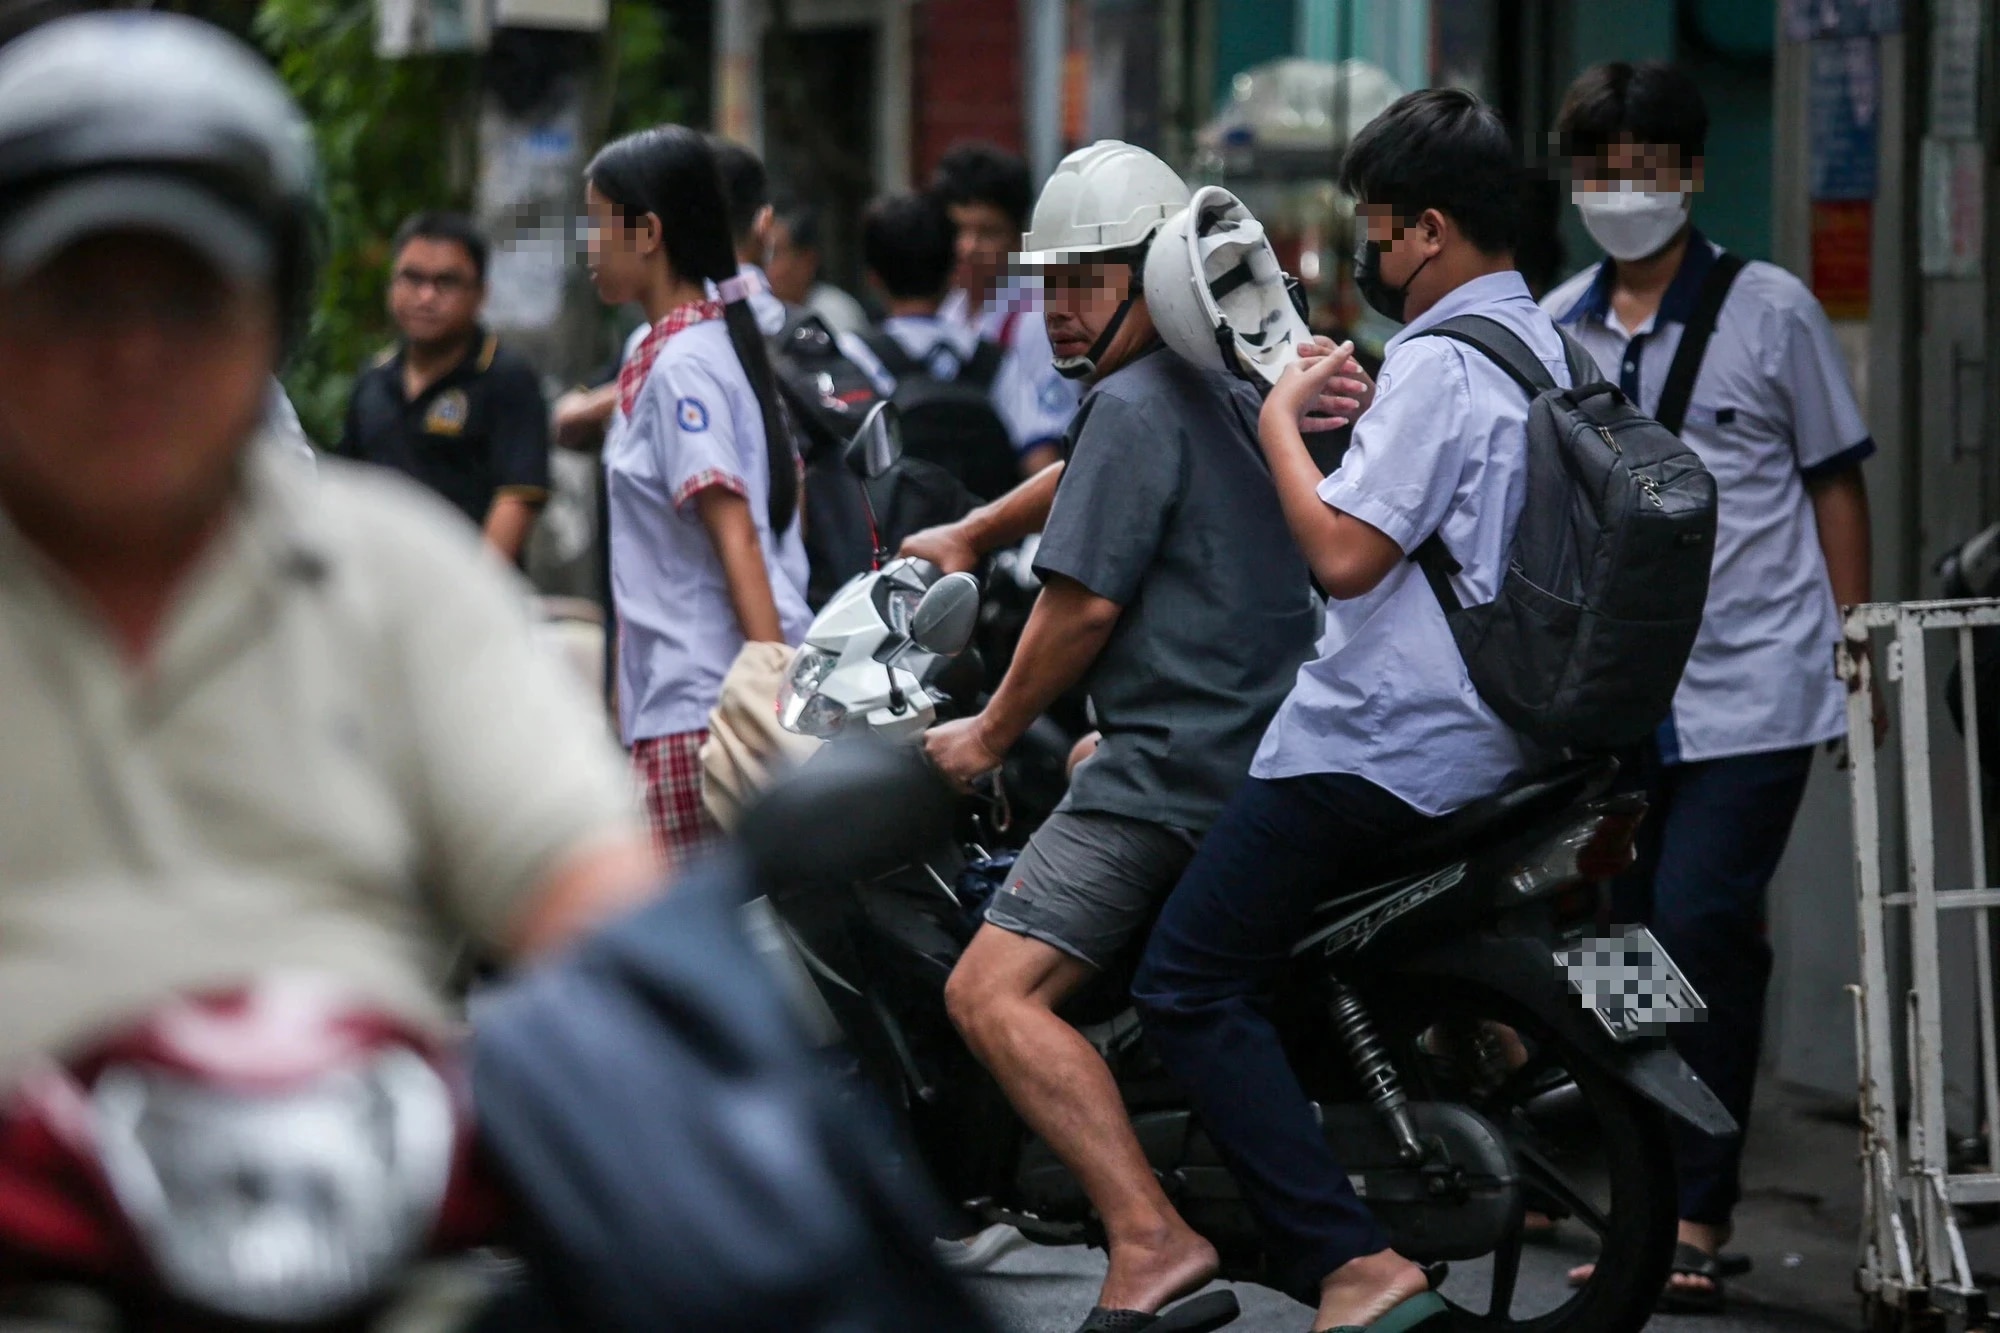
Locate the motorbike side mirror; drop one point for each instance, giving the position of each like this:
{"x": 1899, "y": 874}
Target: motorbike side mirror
{"x": 878, "y": 445}
{"x": 943, "y": 622}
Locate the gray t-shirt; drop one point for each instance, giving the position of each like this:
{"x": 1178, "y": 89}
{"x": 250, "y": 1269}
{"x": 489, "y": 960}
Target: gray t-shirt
{"x": 1167, "y": 509}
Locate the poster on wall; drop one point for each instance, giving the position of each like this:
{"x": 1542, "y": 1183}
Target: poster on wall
{"x": 1809, "y": 19}
{"x": 1954, "y": 72}
{"x": 1952, "y": 221}
{"x": 1845, "y": 107}
{"x": 1843, "y": 242}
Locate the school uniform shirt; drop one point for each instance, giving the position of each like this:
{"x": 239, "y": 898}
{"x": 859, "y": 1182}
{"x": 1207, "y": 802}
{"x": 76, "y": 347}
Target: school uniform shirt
{"x": 481, "y": 431}
{"x": 1772, "y": 410}
{"x": 943, "y": 347}
{"x": 1443, "y": 449}
{"x": 694, "y": 424}
{"x": 1032, "y": 398}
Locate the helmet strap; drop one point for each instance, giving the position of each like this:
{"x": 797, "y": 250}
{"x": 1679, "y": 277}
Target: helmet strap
{"x": 1083, "y": 367}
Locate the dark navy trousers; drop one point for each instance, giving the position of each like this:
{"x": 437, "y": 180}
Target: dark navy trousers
{"x": 1225, "y": 932}
{"x": 1713, "y": 834}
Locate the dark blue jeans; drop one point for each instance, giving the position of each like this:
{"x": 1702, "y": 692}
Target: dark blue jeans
{"x": 1713, "y": 834}
{"x": 1225, "y": 932}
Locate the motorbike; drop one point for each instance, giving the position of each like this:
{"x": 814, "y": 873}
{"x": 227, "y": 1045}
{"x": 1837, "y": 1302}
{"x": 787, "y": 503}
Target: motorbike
{"x": 273, "y": 1156}
{"x": 1477, "y": 1048}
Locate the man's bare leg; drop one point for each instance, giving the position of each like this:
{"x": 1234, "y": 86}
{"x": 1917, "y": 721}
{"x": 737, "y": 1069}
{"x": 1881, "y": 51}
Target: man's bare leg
{"x": 1003, "y": 996}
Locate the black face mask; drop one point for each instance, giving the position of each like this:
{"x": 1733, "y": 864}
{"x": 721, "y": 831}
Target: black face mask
{"x": 1387, "y": 301}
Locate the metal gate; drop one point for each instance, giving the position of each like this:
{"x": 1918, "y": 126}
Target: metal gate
{"x": 1913, "y": 1260}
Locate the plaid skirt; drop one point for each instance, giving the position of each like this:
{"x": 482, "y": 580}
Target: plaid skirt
{"x": 669, "y": 769}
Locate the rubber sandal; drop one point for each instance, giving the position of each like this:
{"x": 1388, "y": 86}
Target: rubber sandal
{"x": 1412, "y": 1314}
{"x": 1735, "y": 1263}
{"x": 1691, "y": 1262}
{"x": 1201, "y": 1314}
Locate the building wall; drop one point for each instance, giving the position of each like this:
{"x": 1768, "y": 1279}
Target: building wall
{"x": 968, "y": 77}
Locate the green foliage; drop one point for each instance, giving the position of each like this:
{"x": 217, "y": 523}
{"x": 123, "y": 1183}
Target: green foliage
{"x": 394, "y": 136}
{"x": 645, "y": 58}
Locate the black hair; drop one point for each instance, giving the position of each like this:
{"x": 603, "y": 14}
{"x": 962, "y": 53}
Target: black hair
{"x": 745, "y": 186}
{"x": 908, "y": 243}
{"x": 670, "y": 172}
{"x": 436, "y": 225}
{"x": 1440, "y": 148}
{"x": 1651, "y": 102}
{"x": 800, "y": 218}
{"x": 983, "y": 173}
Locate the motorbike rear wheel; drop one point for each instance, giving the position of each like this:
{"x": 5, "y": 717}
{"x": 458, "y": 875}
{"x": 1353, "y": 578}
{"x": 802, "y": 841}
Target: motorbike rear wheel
{"x": 1589, "y": 1150}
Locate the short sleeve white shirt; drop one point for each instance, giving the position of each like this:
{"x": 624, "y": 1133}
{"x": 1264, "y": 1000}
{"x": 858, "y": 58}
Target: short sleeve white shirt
{"x": 1443, "y": 449}
{"x": 1772, "y": 408}
{"x": 695, "y": 424}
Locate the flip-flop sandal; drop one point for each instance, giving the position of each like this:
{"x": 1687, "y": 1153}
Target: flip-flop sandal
{"x": 1691, "y": 1262}
{"x": 1412, "y": 1314}
{"x": 1202, "y": 1314}
{"x": 1735, "y": 1264}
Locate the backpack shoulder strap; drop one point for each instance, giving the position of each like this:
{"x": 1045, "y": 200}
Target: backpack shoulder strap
{"x": 984, "y": 366}
{"x": 1679, "y": 390}
{"x": 1498, "y": 344}
{"x": 1504, "y": 348}
{"x": 890, "y": 353}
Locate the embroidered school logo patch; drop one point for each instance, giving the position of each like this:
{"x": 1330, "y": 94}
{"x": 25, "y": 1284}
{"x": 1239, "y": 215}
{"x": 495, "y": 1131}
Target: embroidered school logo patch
{"x": 448, "y": 413}
{"x": 693, "y": 416}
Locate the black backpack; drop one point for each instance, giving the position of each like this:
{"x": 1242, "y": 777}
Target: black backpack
{"x": 948, "y": 418}
{"x": 1607, "y": 575}
{"x": 826, "y": 397}
{"x": 826, "y": 394}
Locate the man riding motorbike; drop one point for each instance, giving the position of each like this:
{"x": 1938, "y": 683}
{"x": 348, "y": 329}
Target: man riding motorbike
{"x": 1172, "y": 592}
{"x": 255, "y": 722}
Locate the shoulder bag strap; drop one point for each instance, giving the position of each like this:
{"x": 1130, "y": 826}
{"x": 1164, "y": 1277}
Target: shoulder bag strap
{"x": 1679, "y": 390}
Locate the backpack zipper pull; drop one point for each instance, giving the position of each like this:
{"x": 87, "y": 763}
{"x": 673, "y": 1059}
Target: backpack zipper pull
{"x": 1652, "y": 490}
{"x": 1605, "y": 431}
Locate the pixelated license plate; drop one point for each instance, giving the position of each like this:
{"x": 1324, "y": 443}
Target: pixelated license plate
{"x": 1630, "y": 983}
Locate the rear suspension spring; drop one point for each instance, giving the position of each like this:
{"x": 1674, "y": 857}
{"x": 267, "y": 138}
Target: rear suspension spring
{"x": 1379, "y": 1081}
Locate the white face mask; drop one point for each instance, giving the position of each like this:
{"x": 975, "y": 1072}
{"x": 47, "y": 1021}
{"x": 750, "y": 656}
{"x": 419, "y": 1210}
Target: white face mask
{"x": 1631, "y": 223}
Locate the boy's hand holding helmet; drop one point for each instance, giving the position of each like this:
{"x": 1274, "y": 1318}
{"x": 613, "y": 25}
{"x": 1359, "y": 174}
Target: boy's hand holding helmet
{"x": 1220, "y": 299}
{"x": 1322, "y": 389}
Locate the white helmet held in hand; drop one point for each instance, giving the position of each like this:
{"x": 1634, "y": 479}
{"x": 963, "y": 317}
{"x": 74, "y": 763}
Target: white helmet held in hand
{"x": 1104, "y": 203}
{"x": 1217, "y": 293}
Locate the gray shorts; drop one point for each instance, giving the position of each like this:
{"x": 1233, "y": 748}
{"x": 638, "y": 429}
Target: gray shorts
{"x": 1088, "y": 883}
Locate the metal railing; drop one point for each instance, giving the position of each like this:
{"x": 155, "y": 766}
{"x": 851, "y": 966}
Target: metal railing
{"x": 1912, "y": 1257}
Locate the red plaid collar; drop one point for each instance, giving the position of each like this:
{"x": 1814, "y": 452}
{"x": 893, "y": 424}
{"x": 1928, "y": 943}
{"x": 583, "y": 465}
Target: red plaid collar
{"x": 632, "y": 375}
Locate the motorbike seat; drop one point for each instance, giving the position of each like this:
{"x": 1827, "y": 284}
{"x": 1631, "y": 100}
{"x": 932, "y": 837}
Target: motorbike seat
{"x": 1486, "y": 822}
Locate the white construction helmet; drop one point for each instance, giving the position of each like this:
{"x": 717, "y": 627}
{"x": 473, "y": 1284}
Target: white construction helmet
{"x": 1104, "y": 202}
{"x": 1102, "y": 199}
{"x": 1217, "y": 293}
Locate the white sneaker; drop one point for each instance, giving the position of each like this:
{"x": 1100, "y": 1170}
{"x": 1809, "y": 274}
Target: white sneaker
{"x": 979, "y": 1252}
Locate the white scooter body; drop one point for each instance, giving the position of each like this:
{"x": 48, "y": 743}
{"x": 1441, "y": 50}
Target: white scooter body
{"x": 858, "y": 666}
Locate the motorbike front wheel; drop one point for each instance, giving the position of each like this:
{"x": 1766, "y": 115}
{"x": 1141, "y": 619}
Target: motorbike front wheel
{"x": 1594, "y": 1157}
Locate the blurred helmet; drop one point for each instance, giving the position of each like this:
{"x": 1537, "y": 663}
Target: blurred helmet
{"x": 1217, "y": 293}
{"x": 1102, "y": 199}
{"x": 156, "y": 123}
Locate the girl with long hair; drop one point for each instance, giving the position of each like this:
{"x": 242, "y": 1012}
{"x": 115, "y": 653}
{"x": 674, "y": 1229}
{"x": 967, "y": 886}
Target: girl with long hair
{"x": 702, "y": 480}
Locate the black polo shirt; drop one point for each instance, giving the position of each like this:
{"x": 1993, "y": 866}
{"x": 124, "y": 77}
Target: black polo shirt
{"x": 482, "y": 430}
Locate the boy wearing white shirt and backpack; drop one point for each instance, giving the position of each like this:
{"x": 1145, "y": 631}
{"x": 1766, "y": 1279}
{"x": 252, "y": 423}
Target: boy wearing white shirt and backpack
{"x": 1740, "y": 360}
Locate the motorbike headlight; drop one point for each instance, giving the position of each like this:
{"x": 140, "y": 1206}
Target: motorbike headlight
{"x": 286, "y": 1207}
{"x": 801, "y": 707}
{"x": 819, "y": 716}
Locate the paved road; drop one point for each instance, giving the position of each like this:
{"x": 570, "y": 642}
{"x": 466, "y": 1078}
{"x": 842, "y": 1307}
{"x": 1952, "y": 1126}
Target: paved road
{"x": 1038, "y": 1290}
